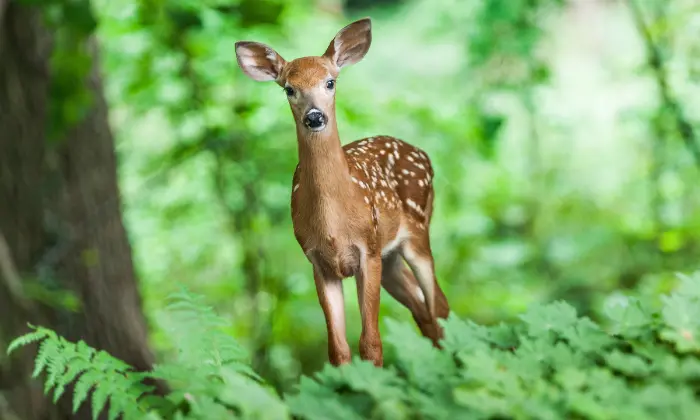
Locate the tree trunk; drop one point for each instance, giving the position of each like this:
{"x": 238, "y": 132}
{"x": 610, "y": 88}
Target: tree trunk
{"x": 60, "y": 222}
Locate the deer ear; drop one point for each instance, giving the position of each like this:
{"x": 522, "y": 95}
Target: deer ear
{"x": 351, "y": 43}
{"x": 258, "y": 61}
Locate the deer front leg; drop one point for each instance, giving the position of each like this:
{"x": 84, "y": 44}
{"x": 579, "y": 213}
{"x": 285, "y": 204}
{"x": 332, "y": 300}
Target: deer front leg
{"x": 369, "y": 281}
{"x": 330, "y": 296}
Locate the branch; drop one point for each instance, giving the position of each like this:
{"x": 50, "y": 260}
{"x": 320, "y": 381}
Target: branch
{"x": 9, "y": 273}
{"x": 685, "y": 129}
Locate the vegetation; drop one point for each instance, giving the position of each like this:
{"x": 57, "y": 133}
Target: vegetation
{"x": 552, "y": 364}
{"x": 564, "y": 139}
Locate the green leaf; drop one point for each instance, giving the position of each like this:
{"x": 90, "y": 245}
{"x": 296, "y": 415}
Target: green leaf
{"x": 423, "y": 364}
{"x": 464, "y": 336}
{"x": 24, "y": 340}
{"x": 47, "y": 349}
{"x": 314, "y": 402}
{"x": 586, "y": 336}
{"x": 628, "y": 364}
{"x": 681, "y": 315}
{"x": 74, "y": 369}
{"x": 628, "y": 318}
{"x": 252, "y": 399}
{"x": 555, "y": 317}
{"x": 100, "y": 395}
{"x": 83, "y": 386}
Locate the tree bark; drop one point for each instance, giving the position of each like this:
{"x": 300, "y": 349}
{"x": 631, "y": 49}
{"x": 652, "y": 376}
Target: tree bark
{"x": 60, "y": 218}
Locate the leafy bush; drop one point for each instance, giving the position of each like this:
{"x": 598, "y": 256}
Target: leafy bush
{"x": 553, "y": 364}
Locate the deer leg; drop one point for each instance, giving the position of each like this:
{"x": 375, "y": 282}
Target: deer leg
{"x": 419, "y": 257}
{"x": 402, "y": 285}
{"x": 369, "y": 280}
{"x": 330, "y": 296}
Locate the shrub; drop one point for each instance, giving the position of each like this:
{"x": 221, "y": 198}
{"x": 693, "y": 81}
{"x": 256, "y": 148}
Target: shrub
{"x": 552, "y": 364}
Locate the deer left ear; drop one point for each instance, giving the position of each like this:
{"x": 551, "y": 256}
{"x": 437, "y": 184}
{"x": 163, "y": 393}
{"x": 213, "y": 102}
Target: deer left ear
{"x": 258, "y": 61}
{"x": 351, "y": 43}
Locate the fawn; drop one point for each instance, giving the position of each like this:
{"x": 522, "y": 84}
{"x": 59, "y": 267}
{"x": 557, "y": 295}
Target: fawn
{"x": 360, "y": 209}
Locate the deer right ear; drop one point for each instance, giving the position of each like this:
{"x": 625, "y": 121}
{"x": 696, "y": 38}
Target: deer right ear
{"x": 351, "y": 43}
{"x": 258, "y": 61}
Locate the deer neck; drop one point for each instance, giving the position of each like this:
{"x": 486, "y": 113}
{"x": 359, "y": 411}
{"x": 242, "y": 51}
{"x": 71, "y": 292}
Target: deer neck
{"x": 323, "y": 169}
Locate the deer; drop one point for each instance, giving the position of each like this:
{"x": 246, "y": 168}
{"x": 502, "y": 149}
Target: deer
{"x": 360, "y": 210}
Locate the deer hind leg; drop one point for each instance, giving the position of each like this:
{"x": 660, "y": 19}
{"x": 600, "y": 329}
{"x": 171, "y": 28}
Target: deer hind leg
{"x": 402, "y": 285}
{"x": 417, "y": 253}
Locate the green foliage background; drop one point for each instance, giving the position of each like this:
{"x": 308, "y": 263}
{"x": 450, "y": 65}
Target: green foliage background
{"x": 561, "y": 170}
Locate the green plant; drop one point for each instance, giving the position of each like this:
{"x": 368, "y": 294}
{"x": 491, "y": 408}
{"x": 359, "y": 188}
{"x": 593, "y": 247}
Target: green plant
{"x": 553, "y": 364}
{"x": 209, "y": 374}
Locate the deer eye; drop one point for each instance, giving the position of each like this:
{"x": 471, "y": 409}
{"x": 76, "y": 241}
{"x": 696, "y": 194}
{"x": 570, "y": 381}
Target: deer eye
{"x": 289, "y": 91}
{"x": 330, "y": 84}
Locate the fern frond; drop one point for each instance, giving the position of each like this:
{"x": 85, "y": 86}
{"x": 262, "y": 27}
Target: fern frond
{"x": 55, "y": 366}
{"x": 32, "y": 337}
{"x": 197, "y": 333}
{"x": 108, "y": 378}
{"x": 69, "y": 376}
{"x": 100, "y": 395}
{"x": 209, "y": 371}
{"x": 83, "y": 386}
{"x": 47, "y": 349}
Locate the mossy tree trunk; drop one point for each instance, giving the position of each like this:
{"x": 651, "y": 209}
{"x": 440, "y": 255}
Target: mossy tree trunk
{"x": 61, "y": 228}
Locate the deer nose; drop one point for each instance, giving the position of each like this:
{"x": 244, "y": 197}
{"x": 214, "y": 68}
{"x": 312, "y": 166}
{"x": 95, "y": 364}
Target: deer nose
{"x": 315, "y": 119}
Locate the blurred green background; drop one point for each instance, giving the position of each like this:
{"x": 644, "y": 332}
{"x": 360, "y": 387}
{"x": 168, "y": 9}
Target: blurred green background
{"x": 563, "y": 136}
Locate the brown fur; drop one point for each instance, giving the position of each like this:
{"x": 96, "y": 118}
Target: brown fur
{"x": 361, "y": 209}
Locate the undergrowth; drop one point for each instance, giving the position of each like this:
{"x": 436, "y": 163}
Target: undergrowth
{"x": 552, "y": 364}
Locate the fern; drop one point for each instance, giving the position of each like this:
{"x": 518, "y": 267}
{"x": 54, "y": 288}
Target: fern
{"x": 208, "y": 363}
{"x": 551, "y": 364}
{"x": 197, "y": 333}
{"x": 65, "y": 363}
{"x": 208, "y": 366}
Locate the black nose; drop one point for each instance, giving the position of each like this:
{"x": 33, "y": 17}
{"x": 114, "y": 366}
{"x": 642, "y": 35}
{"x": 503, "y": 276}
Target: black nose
{"x": 314, "y": 119}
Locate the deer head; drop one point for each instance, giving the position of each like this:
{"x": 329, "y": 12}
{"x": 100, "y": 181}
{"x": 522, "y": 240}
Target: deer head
{"x": 308, "y": 82}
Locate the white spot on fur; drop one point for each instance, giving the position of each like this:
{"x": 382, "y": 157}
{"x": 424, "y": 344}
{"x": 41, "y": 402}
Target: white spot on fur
{"x": 420, "y": 294}
{"x": 412, "y": 204}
